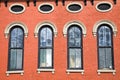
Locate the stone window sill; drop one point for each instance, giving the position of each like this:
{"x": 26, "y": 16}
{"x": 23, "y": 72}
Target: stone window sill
{"x": 46, "y": 70}
{"x": 75, "y": 71}
{"x": 106, "y": 71}
{"x": 14, "y": 72}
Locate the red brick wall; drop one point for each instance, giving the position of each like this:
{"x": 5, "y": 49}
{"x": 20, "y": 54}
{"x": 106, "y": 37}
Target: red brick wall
{"x": 60, "y": 16}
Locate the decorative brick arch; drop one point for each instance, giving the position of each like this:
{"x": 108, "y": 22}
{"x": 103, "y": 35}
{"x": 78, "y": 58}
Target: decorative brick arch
{"x": 81, "y": 25}
{"x": 40, "y": 25}
{"x": 110, "y": 23}
{"x": 13, "y": 24}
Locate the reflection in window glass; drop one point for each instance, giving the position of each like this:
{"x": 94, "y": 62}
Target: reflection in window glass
{"x": 104, "y": 36}
{"x": 74, "y": 47}
{"x": 46, "y": 57}
{"x": 105, "y": 47}
{"x": 16, "y": 49}
{"x": 75, "y": 58}
{"x": 46, "y": 37}
{"x": 45, "y": 47}
{"x": 16, "y": 38}
{"x": 74, "y": 37}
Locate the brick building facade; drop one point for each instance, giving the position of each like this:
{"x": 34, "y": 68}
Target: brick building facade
{"x": 59, "y": 40}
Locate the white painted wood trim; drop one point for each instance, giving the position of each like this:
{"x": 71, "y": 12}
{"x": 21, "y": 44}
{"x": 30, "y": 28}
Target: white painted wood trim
{"x": 111, "y": 6}
{"x": 46, "y": 70}
{"x": 106, "y": 71}
{"x": 41, "y": 24}
{"x": 16, "y": 5}
{"x": 46, "y": 11}
{"x": 14, "y": 72}
{"x": 72, "y": 4}
{"x": 15, "y": 23}
{"x": 108, "y": 22}
{"x": 75, "y": 71}
{"x": 75, "y": 22}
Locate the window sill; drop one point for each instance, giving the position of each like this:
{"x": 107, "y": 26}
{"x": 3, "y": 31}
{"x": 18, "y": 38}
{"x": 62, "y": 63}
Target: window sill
{"x": 46, "y": 70}
{"x": 75, "y": 71}
{"x": 106, "y": 71}
{"x": 14, "y": 72}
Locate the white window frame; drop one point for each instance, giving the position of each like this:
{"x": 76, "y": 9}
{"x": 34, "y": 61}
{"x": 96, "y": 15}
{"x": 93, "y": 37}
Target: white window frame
{"x": 46, "y": 12}
{"x": 72, "y": 4}
{"x": 103, "y": 3}
{"x": 16, "y": 5}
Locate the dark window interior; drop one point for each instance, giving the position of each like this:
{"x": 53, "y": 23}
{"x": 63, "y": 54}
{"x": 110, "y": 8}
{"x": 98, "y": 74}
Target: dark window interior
{"x": 74, "y": 7}
{"x": 104, "y": 6}
{"x": 46, "y": 7}
{"x": 16, "y": 8}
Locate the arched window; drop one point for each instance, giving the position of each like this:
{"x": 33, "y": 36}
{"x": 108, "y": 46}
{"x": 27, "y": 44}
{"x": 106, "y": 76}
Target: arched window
{"x": 45, "y": 47}
{"x": 105, "y": 47}
{"x": 16, "y": 48}
{"x": 74, "y": 35}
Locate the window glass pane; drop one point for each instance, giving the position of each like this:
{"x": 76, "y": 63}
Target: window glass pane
{"x": 13, "y": 59}
{"x": 108, "y": 37}
{"x": 16, "y": 59}
{"x": 105, "y": 58}
{"x": 72, "y": 58}
{"x": 42, "y": 57}
{"x": 46, "y": 37}
{"x": 74, "y": 7}
{"x": 78, "y": 58}
{"x": 19, "y": 38}
{"x": 104, "y": 6}
{"x": 102, "y": 55}
{"x": 17, "y": 8}
{"x": 74, "y": 37}
{"x": 109, "y": 58}
{"x": 75, "y": 58}
{"x": 49, "y": 58}
{"x": 104, "y": 36}
{"x": 45, "y": 8}
{"x": 13, "y": 38}
{"x": 16, "y": 38}
{"x": 45, "y": 57}
{"x": 19, "y": 59}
